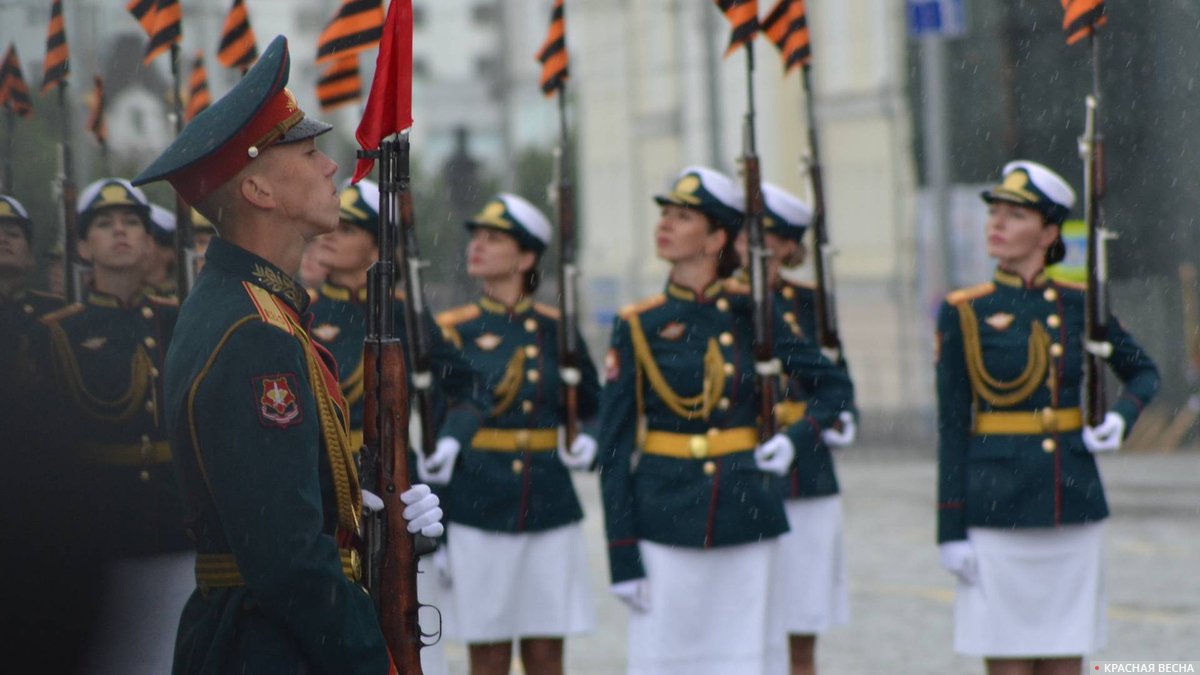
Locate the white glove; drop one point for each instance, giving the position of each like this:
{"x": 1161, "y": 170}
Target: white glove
{"x": 582, "y": 453}
{"x": 844, "y": 438}
{"x": 1107, "y": 436}
{"x": 441, "y": 562}
{"x": 371, "y": 501}
{"x": 776, "y": 455}
{"x": 958, "y": 558}
{"x": 438, "y": 468}
{"x": 422, "y": 512}
{"x": 635, "y": 593}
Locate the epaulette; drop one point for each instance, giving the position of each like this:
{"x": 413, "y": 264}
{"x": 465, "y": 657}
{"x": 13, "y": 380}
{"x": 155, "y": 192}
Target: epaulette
{"x": 163, "y": 300}
{"x": 60, "y": 314}
{"x": 268, "y": 308}
{"x": 967, "y": 294}
{"x": 649, "y": 303}
{"x": 547, "y": 311}
{"x": 453, "y": 317}
{"x": 1073, "y": 285}
{"x": 737, "y": 286}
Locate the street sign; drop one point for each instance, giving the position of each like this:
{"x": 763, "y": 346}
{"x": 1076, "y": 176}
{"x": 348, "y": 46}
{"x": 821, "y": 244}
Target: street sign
{"x": 937, "y": 18}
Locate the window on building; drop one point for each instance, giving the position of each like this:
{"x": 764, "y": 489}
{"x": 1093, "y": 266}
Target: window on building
{"x": 486, "y": 13}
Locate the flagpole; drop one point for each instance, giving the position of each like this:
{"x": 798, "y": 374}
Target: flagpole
{"x": 11, "y": 124}
{"x": 184, "y": 255}
{"x": 73, "y": 280}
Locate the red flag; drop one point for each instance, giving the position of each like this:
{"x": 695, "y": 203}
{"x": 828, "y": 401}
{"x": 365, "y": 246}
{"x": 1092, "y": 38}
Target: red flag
{"x": 389, "y": 105}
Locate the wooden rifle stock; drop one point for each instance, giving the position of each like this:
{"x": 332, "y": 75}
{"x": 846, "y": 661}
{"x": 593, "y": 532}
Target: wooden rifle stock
{"x": 568, "y": 273}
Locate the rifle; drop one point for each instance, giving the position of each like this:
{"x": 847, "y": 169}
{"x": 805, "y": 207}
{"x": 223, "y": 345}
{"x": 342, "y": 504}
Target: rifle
{"x": 766, "y": 365}
{"x": 563, "y": 195}
{"x": 185, "y": 243}
{"x": 64, "y": 186}
{"x": 390, "y": 565}
{"x": 826, "y": 306}
{"x": 1097, "y": 348}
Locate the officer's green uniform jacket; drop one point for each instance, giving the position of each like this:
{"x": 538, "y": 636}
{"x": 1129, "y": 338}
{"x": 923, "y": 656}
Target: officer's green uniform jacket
{"x": 339, "y": 324}
{"x": 812, "y": 473}
{"x": 1010, "y": 347}
{"x": 259, "y": 431}
{"x": 515, "y": 352}
{"x": 681, "y": 352}
{"x": 107, "y": 361}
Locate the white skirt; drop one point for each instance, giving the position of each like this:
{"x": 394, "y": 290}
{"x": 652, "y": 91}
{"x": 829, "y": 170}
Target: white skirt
{"x": 812, "y": 566}
{"x": 143, "y": 600}
{"x": 509, "y": 586}
{"x": 1040, "y": 593}
{"x": 712, "y": 612}
{"x": 430, "y": 591}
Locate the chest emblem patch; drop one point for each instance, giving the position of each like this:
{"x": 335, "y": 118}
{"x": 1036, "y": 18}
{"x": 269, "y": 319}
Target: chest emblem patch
{"x": 488, "y": 341}
{"x": 277, "y": 404}
{"x": 94, "y": 344}
{"x": 672, "y": 331}
{"x": 1000, "y": 321}
{"x": 326, "y": 332}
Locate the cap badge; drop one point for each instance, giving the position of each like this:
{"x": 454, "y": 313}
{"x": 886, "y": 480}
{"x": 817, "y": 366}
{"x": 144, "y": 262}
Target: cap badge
{"x": 5, "y": 209}
{"x": 292, "y": 106}
{"x": 114, "y": 194}
{"x": 1016, "y": 183}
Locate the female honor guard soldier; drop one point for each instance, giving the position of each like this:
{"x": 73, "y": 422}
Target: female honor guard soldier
{"x": 255, "y": 416}
{"x": 107, "y": 353}
{"x": 812, "y": 582}
{"x": 516, "y": 551}
{"x": 160, "y": 259}
{"x": 1020, "y": 501}
{"x": 692, "y": 524}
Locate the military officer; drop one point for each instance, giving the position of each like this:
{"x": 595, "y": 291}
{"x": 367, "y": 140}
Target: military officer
{"x": 812, "y": 555}
{"x": 160, "y": 260}
{"x": 693, "y": 527}
{"x": 254, "y": 412}
{"x": 516, "y": 550}
{"x": 1020, "y": 501}
{"x": 20, "y": 306}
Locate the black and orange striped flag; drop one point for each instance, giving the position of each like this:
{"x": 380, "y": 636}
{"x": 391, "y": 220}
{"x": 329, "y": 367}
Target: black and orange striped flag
{"x": 161, "y": 19}
{"x": 56, "y": 68}
{"x": 743, "y": 15}
{"x": 787, "y": 27}
{"x": 199, "y": 97}
{"x": 14, "y": 93}
{"x": 1081, "y": 18}
{"x": 553, "y": 54}
{"x": 96, "y": 123}
{"x": 340, "y": 84}
{"x": 239, "y": 49}
{"x": 357, "y": 27}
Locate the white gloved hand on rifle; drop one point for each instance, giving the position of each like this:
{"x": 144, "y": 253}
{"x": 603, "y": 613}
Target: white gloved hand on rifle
{"x": 1106, "y": 436}
{"x": 423, "y": 513}
{"x": 582, "y": 453}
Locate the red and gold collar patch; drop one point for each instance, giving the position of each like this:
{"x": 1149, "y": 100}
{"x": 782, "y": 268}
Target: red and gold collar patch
{"x": 277, "y": 403}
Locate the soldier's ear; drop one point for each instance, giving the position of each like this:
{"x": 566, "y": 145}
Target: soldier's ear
{"x": 257, "y": 190}
{"x": 84, "y": 249}
{"x": 716, "y": 241}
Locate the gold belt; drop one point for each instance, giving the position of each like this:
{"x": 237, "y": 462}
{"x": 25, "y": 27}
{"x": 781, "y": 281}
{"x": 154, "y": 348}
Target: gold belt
{"x": 220, "y": 570}
{"x": 788, "y": 413}
{"x": 515, "y": 440}
{"x": 127, "y": 454}
{"x": 1029, "y": 422}
{"x": 700, "y": 446}
{"x": 356, "y": 441}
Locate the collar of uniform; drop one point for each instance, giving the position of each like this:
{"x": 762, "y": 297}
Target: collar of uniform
{"x": 1006, "y": 278}
{"x": 343, "y": 294}
{"x": 496, "y": 307}
{"x": 258, "y": 271}
{"x": 97, "y": 298}
{"x": 688, "y": 295}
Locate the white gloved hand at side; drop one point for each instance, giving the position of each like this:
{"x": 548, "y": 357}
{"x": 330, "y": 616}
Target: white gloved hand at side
{"x": 438, "y": 467}
{"x": 422, "y": 513}
{"x": 958, "y": 558}
{"x": 582, "y": 453}
{"x": 776, "y": 455}
{"x": 1107, "y": 436}
{"x": 846, "y": 436}
{"x": 635, "y": 593}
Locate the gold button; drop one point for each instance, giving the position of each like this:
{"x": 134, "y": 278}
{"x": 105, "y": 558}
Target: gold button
{"x": 788, "y": 292}
{"x": 723, "y": 304}
{"x": 523, "y": 437}
{"x": 698, "y": 447}
{"x": 532, "y": 375}
{"x": 149, "y": 406}
{"x": 1056, "y": 350}
{"x": 28, "y": 309}
{"x": 518, "y": 466}
{"x": 531, "y": 352}
{"x": 150, "y": 343}
{"x": 153, "y": 371}
{"x": 1053, "y": 321}
{"x": 729, "y": 369}
{"x": 526, "y": 407}
{"x": 789, "y": 317}
{"x": 710, "y": 468}
{"x": 726, "y": 339}
{"x": 1050, "y": 295}
{"x": 531, "y": 325}
{"x": 723, "y": 404}
{"x": 713, "y": 431}
{"x": 1048, "y": 445}
{"x": 144, "y": 476}
{"x": 147, "y": 312}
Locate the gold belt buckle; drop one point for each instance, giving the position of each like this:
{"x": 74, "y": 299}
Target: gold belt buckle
{"x": 1049, "y": 419}
{"x": 698, "y": 447}
{"x": 523, "y": 439}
